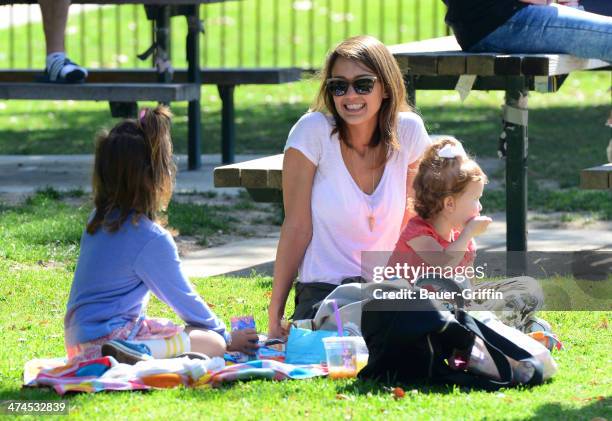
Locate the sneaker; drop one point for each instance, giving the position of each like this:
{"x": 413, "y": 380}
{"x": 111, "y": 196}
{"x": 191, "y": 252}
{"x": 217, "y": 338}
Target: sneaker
{"x": 60, "y": 69}
{"x": 193, "y": 356}
{"x": 536, "y": 324}
{"x": 126, "y": 352}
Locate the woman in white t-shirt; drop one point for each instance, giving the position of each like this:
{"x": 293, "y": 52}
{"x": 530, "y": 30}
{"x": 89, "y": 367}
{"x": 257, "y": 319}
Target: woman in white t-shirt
{"x": 347, "y": 176}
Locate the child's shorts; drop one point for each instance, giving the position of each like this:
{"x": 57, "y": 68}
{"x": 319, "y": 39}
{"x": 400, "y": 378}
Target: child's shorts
{"x": 149, "y": 329}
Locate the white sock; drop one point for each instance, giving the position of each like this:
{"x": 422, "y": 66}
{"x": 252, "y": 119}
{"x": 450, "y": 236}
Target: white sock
{"x": 58, "y": 69}
{"x": 60, "y": 55}
{"x": 169, "y": 347}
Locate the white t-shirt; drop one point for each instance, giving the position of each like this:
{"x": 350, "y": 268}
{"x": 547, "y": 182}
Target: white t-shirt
{"x": 340, "y": 209}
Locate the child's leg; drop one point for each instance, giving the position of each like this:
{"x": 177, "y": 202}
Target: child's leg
{"x": 206, "y": 341}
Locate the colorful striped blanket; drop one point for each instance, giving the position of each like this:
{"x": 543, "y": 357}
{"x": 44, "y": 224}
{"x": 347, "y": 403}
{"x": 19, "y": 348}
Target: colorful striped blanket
{"x": 89, "y": 376}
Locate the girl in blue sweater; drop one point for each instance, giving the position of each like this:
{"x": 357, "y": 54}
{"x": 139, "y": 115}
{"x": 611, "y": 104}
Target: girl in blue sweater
{"x": 126, "y": 254}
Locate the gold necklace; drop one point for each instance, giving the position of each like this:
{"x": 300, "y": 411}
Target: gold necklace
{"x": 371, "y": 218}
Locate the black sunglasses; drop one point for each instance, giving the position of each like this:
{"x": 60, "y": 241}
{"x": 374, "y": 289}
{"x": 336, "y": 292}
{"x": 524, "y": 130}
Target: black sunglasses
{"x": 362, "y": 85}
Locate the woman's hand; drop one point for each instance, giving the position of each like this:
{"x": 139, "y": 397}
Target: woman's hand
{"x": 244, "y": 340}
{"x": 276, "y": 329}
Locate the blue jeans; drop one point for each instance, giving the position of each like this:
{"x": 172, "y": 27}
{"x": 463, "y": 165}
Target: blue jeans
{"x": 554, "y": 30}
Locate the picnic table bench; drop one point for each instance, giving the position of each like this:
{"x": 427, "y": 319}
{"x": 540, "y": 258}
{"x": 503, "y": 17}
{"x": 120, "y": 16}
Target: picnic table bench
{"x": 597, "y": 178}
{"x": 439, "y": 64}
{"x": 141, "y": 84}
{"x": 122, "y": 88}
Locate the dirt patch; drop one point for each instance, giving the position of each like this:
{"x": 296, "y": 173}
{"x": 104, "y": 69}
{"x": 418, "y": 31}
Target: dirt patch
{"x": 254, "y": 220}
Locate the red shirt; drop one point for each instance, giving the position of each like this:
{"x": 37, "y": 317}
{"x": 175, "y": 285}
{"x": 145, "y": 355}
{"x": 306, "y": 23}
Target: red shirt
{"x": 418, "y": 227}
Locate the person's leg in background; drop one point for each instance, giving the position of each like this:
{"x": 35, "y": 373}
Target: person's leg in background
{"x": 59, "y": 68}
{"x": 552, "y": 29}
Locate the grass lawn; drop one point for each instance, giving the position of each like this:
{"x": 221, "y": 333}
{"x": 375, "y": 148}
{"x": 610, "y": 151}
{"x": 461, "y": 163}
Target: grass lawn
{"x": 38, "y": 250}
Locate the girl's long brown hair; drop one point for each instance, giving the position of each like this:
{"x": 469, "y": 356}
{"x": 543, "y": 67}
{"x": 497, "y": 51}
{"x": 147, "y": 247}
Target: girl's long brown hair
{"x": 134, "y": 170}
{"x": 371, "y": 53}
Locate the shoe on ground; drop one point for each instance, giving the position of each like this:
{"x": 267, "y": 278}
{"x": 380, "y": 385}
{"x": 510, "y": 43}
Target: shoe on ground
{"x": 126, "y": 352}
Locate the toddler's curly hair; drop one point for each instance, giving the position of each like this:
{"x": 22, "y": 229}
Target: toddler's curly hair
{"x": 438, "y": 178}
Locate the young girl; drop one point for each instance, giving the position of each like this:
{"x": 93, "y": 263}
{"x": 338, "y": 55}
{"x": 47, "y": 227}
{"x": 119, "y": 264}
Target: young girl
{"x": 125, "y": 254}
{"x": 448, "y": 188}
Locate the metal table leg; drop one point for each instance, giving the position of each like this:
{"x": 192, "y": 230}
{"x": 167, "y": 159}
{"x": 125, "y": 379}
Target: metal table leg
{"x": 515, "y": 117}
{"x": 194, "y": 129}
{"x": 228, "y": 130}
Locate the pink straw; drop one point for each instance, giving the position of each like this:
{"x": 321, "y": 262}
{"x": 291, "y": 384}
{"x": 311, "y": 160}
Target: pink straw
{"x": 338, "y": 319}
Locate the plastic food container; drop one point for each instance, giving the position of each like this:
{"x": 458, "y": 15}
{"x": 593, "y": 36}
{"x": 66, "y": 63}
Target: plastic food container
{"x": 346, "y": 356}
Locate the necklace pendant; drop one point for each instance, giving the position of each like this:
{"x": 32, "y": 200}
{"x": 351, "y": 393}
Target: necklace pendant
{"x": 371, "y": 222}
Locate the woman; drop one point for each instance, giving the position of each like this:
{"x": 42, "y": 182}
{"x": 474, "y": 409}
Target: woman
{"x": 347, "y": 176}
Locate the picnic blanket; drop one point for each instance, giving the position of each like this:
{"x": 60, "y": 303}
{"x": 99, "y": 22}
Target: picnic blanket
{"x": 106, "y": 374}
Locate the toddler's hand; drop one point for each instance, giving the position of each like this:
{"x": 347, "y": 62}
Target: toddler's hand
{"x": 478, "y": 225}
{"x": 244, "y": 340}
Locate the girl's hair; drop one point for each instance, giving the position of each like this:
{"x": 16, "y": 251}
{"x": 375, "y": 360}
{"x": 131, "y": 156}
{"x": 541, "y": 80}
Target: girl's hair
{"x": 134, "y": 170}
{"x": 371, "y": 53}
{"x": 438, "y": 178}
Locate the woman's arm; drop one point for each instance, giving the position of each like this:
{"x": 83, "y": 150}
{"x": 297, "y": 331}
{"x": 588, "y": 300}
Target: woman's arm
{"x": 296, "y": 232}
{"x": 409, "y": 211}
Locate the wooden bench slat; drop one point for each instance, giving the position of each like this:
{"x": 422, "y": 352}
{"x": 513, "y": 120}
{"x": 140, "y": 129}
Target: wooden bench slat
{"x": 558, "y": 64}
{"x": 422, "y": 58}
{"x": 597, "y": 178}
{"x": 164, "y": 92}
{"x": 482, "y": 65}
{"x": 257, "y": 173}
{"x": 451, "y": 65}
{"x": 209, "y": 76}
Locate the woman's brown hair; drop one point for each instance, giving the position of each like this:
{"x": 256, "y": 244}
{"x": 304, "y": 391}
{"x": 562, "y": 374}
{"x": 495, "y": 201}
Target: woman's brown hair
{"x": 371, "y": 53}
{"x": 134, "y": 170}
{"x": 438, "y": 178}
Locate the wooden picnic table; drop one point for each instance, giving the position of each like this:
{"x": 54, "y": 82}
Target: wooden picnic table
{"x": 160, "y": 11}
{"x": 439, "y": 64}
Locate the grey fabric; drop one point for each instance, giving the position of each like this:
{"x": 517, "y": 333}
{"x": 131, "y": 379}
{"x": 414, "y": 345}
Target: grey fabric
{"x": 523, "y": 296}
{"x": 309, "y": 295}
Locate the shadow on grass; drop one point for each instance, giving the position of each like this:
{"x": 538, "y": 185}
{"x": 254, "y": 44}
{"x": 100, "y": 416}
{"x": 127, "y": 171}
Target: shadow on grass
{"x": 363, "y": 387}
{"x": 600, "y": 407}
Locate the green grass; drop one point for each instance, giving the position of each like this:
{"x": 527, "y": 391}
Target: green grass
{"x": 33, "y": 297}
{"x": 46, "y": 230}
{"x": 597, "y": 203}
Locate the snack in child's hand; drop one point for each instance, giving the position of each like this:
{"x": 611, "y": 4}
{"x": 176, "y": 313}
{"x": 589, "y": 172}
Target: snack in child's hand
{"x": 242, "y": 322}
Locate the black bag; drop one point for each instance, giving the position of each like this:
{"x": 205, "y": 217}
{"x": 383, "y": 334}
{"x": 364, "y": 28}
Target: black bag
{"x": 416, "y": 344}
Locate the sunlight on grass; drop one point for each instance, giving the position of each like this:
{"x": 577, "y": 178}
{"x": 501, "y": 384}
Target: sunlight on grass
{"x": 32, "y": 305}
